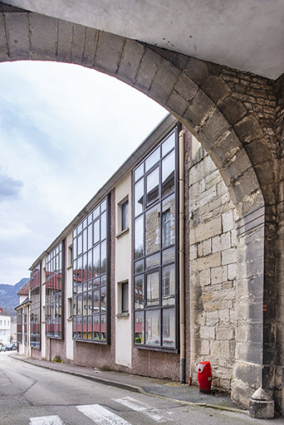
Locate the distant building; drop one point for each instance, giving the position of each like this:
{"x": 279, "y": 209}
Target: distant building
{"x": 23, "y": 313}
{"x": 5, "y": 328}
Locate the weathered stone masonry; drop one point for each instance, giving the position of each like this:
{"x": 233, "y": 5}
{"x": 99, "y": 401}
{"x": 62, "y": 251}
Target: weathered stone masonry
{"x": 213, "y": 243}
{"x": 238, "y": 118}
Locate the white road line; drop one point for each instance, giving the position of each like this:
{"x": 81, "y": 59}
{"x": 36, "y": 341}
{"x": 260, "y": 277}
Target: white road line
{"x": 101, "y": 416}
{"x": 46, "y": 420}
{"x": 146, "y": 409}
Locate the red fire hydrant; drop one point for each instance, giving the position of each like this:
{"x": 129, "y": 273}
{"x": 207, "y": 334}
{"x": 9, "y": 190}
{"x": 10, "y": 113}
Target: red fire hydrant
{"x": 204, "y": 375}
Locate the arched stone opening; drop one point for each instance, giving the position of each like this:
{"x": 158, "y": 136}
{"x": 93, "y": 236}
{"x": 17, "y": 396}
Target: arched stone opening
{"x": 218, "y": 106}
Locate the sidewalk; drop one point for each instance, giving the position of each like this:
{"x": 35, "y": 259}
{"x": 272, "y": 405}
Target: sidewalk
{"x": 182, "y": 393}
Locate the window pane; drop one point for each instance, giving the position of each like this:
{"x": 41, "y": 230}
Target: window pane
{"x": 168, "y": 144}
{"x": 168, "y": 329}
{"x": 139, "y": 328}
{"x": 79, "y": 305}
{"x": 90, "y": 238}
{"x": 124, "y": 296}
{"x": 139, "y": 292}
{"x": 168, "y": 221}
{"x": 168, "y": 174}
{"x": 96, "y": 301}
{"x": 152, "y": 186}
{"x": 139, "y": 196}
{"x": 90, "y": 327}
{"x": 80, "y": 244}
{"x": 96, "y": 260}
{"x": 90, "y": 302}
{"x": 153, "y": 327}
{"x": 85, "y": 241}
{"x": 168, "y": 255}
{"x": 124, "y": 215}
{"x": 168, "y": 285}
{"x": 85, "y": 303}
{"x": 90, "y": 264}
{"x": 152, "y": 288}
{"x": 153, "y": 229}
{"x": 153, "y": 261}
{"x": 139, "y": 172}
{"x": 152, "y": 159}
{"x": 103, "y": 258}
{"x": 139, "y": 237}
{"x": 139, "y": 266}
{"x": 103, "y": 299}
{"x": 96, "y": 231}
{"x": 103, "y": 226}
{"x": 103, "y": 327}
{"x": 85, "y": 267}
{"x": 96, "y": 213}
{"x": 103, "y": 205}
{"x": 96, "y": 327}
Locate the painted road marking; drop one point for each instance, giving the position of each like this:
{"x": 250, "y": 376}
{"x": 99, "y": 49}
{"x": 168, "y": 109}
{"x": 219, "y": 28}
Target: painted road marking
{"x": 101, "y": 416}
{"x": 46, "y": 420}
{"x": 146, "y": 409}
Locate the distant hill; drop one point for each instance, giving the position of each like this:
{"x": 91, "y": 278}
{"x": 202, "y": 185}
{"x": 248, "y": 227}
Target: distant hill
{"x": 9, "y": 298}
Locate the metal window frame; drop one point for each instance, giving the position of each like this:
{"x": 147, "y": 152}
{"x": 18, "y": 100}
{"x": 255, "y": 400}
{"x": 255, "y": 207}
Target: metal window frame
{"x": 75, "y": 296}
{"x": 159, "y": 268}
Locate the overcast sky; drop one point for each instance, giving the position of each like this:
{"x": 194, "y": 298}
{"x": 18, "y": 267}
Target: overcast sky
{"x": 64, "y": 130}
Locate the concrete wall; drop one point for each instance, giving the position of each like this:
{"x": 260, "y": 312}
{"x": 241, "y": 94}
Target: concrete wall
{"x": 123, "y": 272}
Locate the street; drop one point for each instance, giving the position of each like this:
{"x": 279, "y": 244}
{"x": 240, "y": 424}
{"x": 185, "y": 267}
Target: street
{"x": 35, "y": 396}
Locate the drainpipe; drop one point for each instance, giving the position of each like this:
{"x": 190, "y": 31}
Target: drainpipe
{"x": 181, "y": 256}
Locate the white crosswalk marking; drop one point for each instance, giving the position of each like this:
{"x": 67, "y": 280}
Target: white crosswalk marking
{"x": 46, "y": 420}
{"x": 139, "y": 406}
{"x": 101, "y": 416}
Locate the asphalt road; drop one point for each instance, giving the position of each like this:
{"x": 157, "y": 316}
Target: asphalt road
{"x": 35, "y": 396}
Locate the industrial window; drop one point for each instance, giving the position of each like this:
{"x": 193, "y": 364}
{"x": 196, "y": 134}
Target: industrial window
{"x": 54, "y": 272}
{"x": 91, "y": 276}
{"x": 155, "y": 242}
{"x": 19, "y": 326}
{"x": 35, "y": 282}
{"x": 26, "y": 326}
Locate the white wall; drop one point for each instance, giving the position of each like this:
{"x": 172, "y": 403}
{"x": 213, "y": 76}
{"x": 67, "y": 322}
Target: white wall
{"x": 68, "y": 297}
{"x": 123, "y": 343}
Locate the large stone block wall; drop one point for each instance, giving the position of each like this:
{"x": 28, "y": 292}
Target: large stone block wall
{"x": 279, "y": 372}
{"x": 213, "y": 257}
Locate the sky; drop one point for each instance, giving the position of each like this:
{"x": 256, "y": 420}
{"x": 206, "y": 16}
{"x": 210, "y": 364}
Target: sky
{"x": 64, "y": 130}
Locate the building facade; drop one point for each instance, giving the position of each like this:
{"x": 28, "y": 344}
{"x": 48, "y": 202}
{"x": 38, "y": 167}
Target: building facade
{"x": 147, "y": 279}
{"x": 5, "y": 328}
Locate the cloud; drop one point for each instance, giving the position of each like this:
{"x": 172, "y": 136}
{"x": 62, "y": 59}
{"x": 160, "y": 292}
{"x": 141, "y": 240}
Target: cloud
{"x": 9, "y": 187}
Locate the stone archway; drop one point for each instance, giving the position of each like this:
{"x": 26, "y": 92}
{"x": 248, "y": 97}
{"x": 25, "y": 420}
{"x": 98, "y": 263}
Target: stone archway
{"x": 224, "y": 109}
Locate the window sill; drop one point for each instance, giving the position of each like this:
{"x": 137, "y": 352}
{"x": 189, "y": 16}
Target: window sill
{"x": 123, "y": 232}
{"x": 122, "y": 315}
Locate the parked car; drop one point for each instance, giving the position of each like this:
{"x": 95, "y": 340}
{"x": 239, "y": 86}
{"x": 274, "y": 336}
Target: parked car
{"x": 2, "y": 347}
{"x": 10, "y": 347}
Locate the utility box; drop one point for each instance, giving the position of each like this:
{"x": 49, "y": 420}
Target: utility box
{"x": 204, "y": 376}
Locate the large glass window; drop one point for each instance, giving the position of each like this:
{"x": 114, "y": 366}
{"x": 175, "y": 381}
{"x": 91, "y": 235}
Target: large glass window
{"x": 54, "y": 293}
{"x": 90, "y": 276}
{"x": 19, "y": 325}
{"x": 155, "y": 242}
{"x": 35, "y": 308}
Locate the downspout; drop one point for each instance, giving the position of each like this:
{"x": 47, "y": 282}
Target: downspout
{"x": 181, "y": 257}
